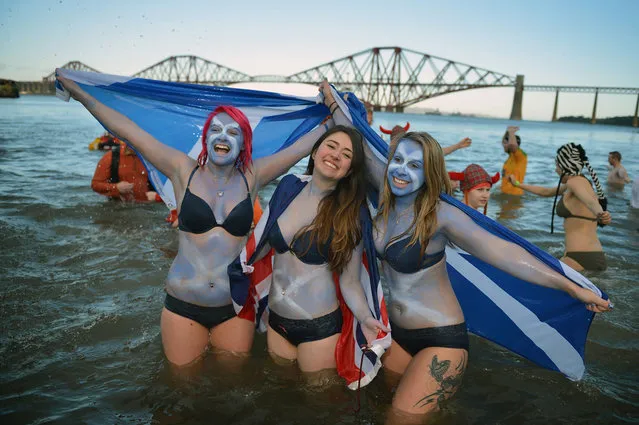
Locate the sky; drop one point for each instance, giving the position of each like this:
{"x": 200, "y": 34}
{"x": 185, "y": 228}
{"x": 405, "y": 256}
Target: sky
{"x": 589, "y": 43}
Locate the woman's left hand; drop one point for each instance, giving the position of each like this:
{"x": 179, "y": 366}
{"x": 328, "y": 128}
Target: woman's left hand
{"x": 604, "y": 218}
{"x": 371, "y": 328}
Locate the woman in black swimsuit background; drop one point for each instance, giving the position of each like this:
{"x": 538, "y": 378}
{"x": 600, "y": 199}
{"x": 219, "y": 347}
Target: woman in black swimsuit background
{"x": 581, "y": 208}
{"x": 214, "y": 195}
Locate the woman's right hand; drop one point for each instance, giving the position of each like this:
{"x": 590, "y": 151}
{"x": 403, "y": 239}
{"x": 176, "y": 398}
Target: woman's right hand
{"x": 592, "y": 301}
{"x": 325, "y": 89}
{"x": 511, "y": 178}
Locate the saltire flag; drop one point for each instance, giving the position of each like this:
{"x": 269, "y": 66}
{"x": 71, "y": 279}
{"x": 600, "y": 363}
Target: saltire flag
{"x": 348, "y": 352}
{"x": 544, "y": 325}
{"x": 174, "y": 113}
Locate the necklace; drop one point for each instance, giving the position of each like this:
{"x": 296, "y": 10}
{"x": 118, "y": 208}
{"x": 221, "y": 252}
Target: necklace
{"x": 403, "y": 213}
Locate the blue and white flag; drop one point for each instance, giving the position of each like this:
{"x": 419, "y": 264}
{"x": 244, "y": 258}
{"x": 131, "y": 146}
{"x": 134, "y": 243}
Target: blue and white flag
{"x": 541, "y": 324}
{"x": 174, "y": 113}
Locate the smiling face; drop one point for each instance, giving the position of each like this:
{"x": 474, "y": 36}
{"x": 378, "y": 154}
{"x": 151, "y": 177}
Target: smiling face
{"x": 224, "y": 140}
{"x": 333, "y": 157}
{"x": 478, "y": 197}
{"x": 406, "y": 168}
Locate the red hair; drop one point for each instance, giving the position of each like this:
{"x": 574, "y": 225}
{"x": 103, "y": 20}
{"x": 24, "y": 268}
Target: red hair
{"x": 246, "y": 155}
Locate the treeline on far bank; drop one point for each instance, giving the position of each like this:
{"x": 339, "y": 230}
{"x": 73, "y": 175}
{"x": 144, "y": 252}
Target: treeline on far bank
{"x": 625, "y": 121}
{"x": 9, "y": 88}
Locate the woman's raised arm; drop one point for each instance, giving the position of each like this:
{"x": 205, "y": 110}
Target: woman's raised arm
{"x": 163, "y": 157}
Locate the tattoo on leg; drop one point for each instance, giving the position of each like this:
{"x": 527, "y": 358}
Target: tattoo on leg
{"x": 448, "y": 385}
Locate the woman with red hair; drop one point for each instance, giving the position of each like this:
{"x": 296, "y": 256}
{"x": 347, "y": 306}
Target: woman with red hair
{"x": 475, "y": 183}
{"x": 215, "y": 197}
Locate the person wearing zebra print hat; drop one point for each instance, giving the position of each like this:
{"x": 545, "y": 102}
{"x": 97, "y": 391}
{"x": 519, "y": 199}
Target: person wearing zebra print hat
{"x": 581, "y": 207}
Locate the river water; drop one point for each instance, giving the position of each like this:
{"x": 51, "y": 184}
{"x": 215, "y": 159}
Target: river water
{"x": 82, "y": 289}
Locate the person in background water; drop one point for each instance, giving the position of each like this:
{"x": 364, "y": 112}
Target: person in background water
{"x": 398, "y": 131}
{"x": 617, "y": 176}
{"x": 581, "y": 208}
{"x": 516, "y": 163}
{"x": 475, "y": 183}
{"x": 104, "y": 143}
{"x": 634, "y": 202}
{"x": 125, "y": 178}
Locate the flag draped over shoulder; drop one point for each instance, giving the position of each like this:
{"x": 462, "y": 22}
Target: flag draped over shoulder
{"x": 348, "y": 353}
{"x": 174, "y": 113}
{"x": 541, "y": 324}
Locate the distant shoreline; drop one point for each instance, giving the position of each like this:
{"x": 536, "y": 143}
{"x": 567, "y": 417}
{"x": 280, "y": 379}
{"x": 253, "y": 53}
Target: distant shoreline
{"x": 625, "y": 121}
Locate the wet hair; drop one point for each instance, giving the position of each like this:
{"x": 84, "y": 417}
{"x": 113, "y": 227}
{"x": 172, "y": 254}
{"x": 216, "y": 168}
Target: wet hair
{"x": 571, "y": 159}
{"x": 616, "y": 155}
{"x": 425, "y": 207}
{"x": 516, "y": 137}
{"x": 338, "y": 212}
{"x": 245, "y": 158}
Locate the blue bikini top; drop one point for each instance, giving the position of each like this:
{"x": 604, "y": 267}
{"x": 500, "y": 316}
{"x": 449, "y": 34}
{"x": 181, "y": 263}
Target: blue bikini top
{"x": 406, "y": 259}
{"x": 308, "y": 251}
{"x": 197, "y": 217}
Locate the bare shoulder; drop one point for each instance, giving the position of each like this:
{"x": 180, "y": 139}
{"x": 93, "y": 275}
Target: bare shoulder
{"x": 576, "y": 183}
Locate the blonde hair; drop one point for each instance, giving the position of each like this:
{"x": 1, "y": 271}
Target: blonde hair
{"x": 425, "y": 206}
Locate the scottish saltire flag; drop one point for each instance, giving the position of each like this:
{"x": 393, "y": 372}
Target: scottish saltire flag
{"x": 347, "y": 352}
{"x": 174, "y": 113}
{"x": 541, "y": 324}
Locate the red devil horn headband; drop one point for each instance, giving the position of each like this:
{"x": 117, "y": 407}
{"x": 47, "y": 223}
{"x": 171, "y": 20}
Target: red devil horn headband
{"x": 383, "y": 130}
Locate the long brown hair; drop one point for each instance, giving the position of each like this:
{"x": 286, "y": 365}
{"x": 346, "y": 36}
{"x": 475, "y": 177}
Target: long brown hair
{"x": 425, "y": 206}
{"x": 337, "y": 217}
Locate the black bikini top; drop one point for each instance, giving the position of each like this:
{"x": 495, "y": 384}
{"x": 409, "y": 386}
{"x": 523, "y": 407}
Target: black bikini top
{"x": 312, "y": 254}
{"x": 564, "y": 212}
{"x": 197, "y": 217}
{"x": 406, "y": 259}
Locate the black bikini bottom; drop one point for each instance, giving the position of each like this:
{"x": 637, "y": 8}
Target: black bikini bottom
{"x": 208, "y": 317}
{"x": 415, "y": 340}
{"x": 299, "y": 331}
{"x": 589, "y": 260}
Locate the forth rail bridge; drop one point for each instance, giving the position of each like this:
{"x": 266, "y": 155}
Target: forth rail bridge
{"x": 389, "y": 78}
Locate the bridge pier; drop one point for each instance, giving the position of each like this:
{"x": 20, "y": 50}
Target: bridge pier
{"x": 515, "y": 113}
{"x": 554, "y": 111}
{"x": 635, "y": 119}
{"x": 593, "y": 120}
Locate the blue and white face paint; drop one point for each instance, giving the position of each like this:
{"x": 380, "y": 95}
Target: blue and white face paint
{"x": 406, "y": 168}
{"x": 224, "y": 140}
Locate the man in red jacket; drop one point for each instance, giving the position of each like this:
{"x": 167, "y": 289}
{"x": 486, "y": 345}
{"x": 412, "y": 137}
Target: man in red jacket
{"x": 125, "y": 178}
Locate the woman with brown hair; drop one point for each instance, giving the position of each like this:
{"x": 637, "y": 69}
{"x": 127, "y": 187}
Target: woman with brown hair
{"x": 313, "y": 225}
